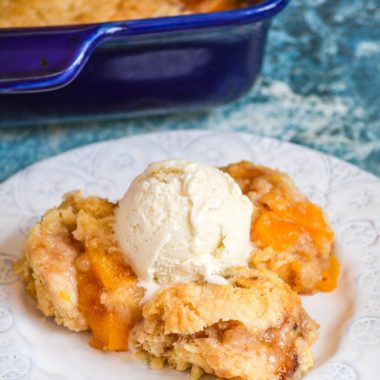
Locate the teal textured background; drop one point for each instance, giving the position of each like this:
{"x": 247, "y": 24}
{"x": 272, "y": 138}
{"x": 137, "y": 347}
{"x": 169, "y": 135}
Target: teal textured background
{"x": 320, "y": 87}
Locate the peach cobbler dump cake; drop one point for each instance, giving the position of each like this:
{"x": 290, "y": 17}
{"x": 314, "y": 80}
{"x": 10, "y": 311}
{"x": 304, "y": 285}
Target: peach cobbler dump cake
{"x": 241, "y": 322}
{"x": 21, "y": 13}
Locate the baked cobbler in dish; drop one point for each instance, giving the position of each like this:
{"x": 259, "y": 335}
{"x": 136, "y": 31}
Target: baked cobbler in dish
{"x": 27, "y": 13}
{"x": 172, "y": 262}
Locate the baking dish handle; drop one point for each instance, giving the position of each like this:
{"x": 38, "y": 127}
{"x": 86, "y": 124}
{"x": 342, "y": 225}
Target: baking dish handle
{"x": 46, "y": 59}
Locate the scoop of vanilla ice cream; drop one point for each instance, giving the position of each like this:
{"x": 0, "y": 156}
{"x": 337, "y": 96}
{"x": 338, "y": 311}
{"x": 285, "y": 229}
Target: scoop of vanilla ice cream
{"x": 181, "y": 221}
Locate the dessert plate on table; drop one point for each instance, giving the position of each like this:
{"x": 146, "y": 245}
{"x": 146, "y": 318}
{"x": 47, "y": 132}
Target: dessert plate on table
{"x": 35, "y": 348}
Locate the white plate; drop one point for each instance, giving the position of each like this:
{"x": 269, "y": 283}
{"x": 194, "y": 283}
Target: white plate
{"x": 32, "y": 347}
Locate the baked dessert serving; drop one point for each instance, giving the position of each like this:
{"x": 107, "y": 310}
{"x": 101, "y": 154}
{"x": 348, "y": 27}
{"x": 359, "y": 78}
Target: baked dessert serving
{"x": 29, "y": 13}
{"x": 195, "y": 267}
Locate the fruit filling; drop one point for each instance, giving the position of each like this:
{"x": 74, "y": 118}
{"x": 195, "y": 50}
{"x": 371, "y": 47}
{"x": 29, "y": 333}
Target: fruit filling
{"x": 290, "y": 233}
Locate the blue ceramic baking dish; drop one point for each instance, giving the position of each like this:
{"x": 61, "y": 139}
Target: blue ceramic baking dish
{"x": 129, "y": 67}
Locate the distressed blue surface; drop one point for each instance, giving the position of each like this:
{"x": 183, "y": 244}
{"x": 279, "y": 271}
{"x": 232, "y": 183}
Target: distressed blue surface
{"x": 320, "y": 87}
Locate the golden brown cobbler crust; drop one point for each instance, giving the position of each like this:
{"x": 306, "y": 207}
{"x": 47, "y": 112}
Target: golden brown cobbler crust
{"x": 252, "y": 329}
{"x": 48, "y": 266}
